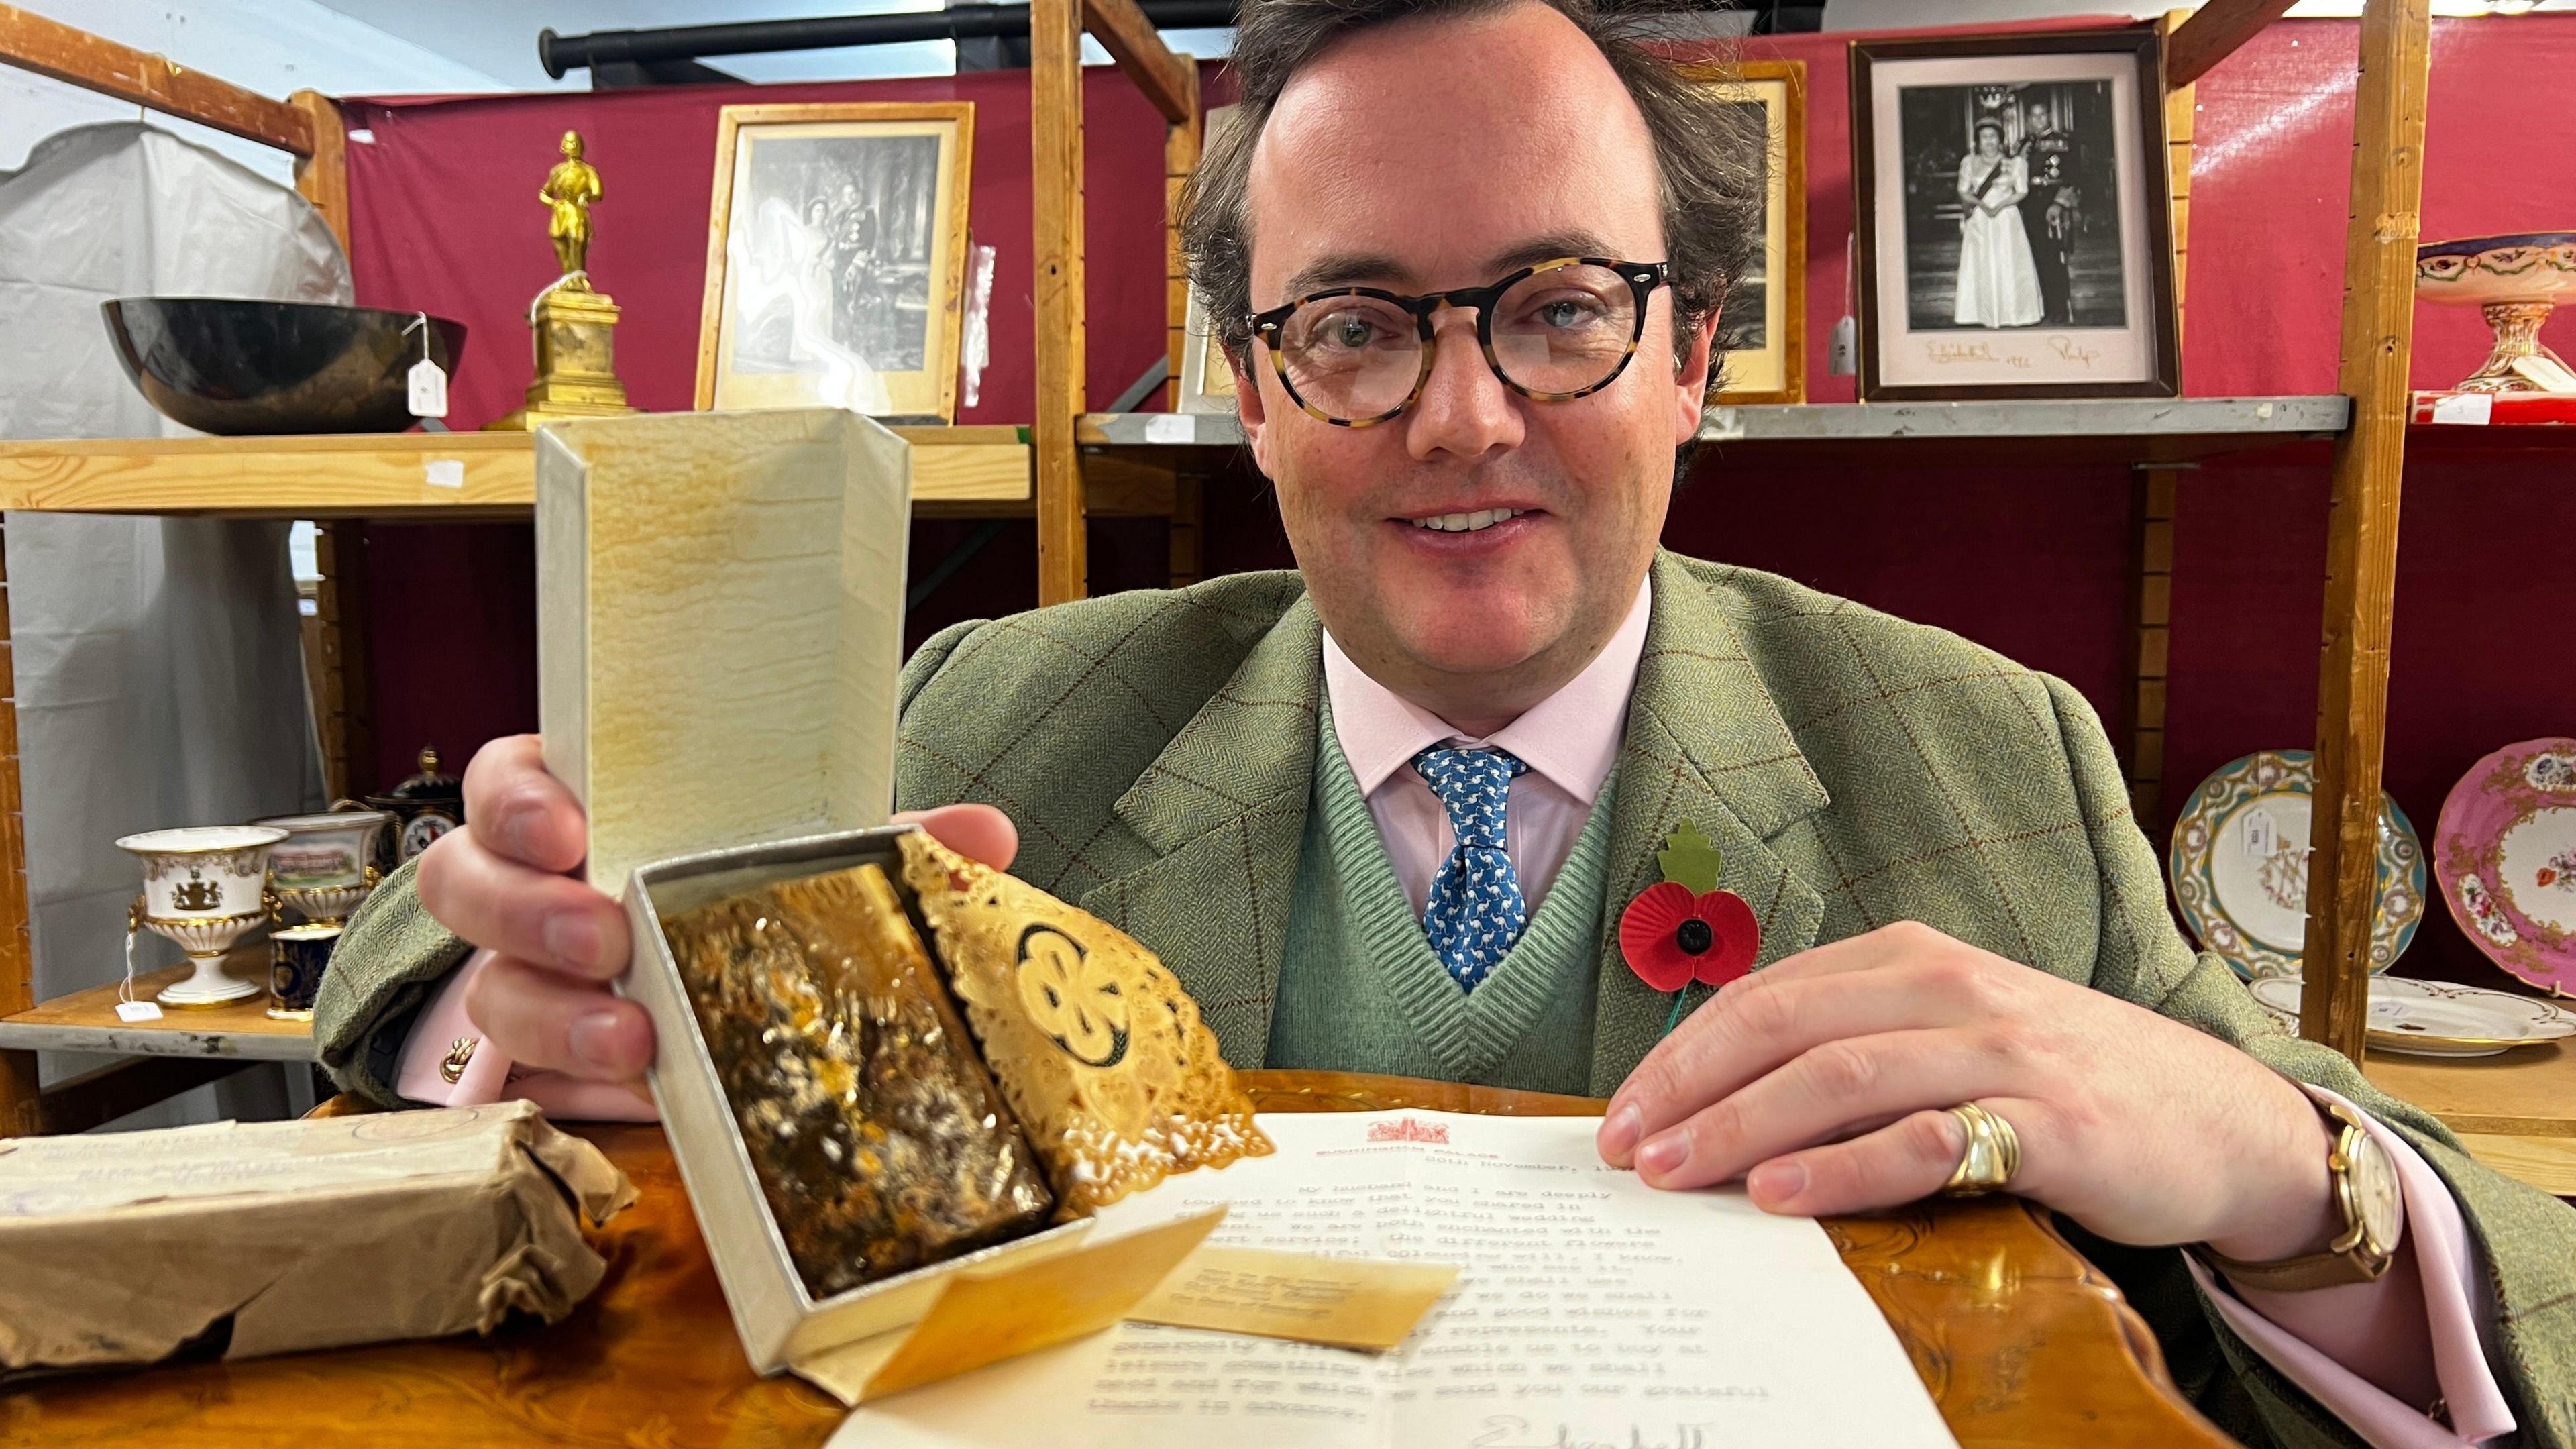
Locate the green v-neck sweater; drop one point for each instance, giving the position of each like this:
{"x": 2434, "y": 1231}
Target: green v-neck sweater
{"x": 1361, "y": 991}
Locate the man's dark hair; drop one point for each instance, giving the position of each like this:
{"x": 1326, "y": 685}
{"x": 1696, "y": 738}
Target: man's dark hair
{"x": 1708, "y": 149}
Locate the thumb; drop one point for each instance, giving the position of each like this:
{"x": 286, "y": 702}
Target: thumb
{"x": 977, "y": 832}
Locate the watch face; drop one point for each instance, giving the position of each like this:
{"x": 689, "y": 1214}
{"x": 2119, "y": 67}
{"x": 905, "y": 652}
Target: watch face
{"x": 2377, "y": 1197}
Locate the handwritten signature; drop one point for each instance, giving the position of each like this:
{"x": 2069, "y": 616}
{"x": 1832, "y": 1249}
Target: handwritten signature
{"x": 2078, "y": 353}
{"x": 1506, "y": 1431}
{"x": 1943, "y": 350}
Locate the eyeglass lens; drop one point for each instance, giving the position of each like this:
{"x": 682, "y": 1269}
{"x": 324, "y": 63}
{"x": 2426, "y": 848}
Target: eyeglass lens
{"x": 1558, "y": 331}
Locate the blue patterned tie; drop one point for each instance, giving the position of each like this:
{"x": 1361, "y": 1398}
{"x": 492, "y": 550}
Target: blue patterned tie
{"x": 1475, "y": 912}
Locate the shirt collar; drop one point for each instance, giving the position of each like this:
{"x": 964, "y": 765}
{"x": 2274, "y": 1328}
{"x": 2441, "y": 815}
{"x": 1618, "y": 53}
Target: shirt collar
{"x": 1571, "y": 737}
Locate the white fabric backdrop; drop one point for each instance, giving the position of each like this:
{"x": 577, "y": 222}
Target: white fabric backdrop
{"x": 159, "y": 661}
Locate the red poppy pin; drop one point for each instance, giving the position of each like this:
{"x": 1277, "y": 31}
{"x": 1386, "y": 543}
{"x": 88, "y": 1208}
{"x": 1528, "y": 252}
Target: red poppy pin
{"x": 1683, "y": 928}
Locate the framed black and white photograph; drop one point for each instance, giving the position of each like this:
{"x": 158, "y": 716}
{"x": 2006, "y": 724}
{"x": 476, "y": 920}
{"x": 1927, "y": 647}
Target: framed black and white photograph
{"x": 836, "y": 256}
{"x": 2015, "y": 234}
{"x": 1761, "y": 333}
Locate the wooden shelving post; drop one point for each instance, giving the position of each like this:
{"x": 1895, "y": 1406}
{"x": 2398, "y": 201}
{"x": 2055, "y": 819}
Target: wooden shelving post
{"x": 1055, "y": 171}
{"x": 22, "y": 1102}
{"x": 2361, "y": 539}
{"x": 1056, "y": 28}
{"x": 2151, "y": 501}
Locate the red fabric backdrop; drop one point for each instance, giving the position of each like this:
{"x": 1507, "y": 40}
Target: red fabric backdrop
{"x": 2032, "y": 561}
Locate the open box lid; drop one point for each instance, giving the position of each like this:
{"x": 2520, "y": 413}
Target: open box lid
{"x": 720, "y": 637}
{"x": 720, "y": 625}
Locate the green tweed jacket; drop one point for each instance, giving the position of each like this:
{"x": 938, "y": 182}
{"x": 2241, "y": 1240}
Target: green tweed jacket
{"x": 1156, "y": 750}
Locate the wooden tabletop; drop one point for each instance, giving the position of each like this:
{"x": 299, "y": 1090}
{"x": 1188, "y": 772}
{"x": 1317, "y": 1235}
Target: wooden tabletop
{"x": 2018, "y": 1339}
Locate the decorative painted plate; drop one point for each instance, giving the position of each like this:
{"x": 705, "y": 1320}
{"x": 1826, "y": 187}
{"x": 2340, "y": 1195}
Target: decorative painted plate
{"x": 2505, "y": 854}
{"x": 2434, "y": 1018}
{"x": 2240, "y": 867}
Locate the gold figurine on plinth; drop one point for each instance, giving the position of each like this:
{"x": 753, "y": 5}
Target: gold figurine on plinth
{"x": 574, "y": 325}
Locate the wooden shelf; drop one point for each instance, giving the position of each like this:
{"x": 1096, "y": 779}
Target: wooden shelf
{"x": 86, "y": 1021}
{"x": 2113, "y": 429}
{"x": 2526, "y": 1092}
{"x": 458, "y": 476}
{"x": 2547, "y": 1163}
{"x": 2515, "y": 1112}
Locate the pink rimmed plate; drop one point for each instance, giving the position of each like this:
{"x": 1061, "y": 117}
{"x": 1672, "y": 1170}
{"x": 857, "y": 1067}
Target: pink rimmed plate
{"x": 2504, "y": 856}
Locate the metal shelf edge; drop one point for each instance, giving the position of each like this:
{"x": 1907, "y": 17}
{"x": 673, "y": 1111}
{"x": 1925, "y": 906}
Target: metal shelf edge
{"x": 2257, "y": 417}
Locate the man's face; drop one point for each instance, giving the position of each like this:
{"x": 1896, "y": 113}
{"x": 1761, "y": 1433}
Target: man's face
{"x": 1435, "y": 155}
{"x": 2039, "y": 118}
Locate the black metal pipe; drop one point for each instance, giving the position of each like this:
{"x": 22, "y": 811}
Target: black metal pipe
{"x": 561, "y": 53}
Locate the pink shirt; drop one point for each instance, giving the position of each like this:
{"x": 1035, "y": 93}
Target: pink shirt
{"x": 1569, "y": 740}
{"x": 2335, "y": 1343}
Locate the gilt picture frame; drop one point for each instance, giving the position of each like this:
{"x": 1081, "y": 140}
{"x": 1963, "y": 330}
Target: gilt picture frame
{"x": 1762, "y": 330}
{"x": 2013, "y": 217}
{"x": 836, "y": 258}
{"x": 1207, "y": 374}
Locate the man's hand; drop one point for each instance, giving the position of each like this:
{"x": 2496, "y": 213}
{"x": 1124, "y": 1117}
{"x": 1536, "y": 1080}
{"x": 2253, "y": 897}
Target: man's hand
{"x": 502, "y": 882}
{"x": 1824, "y": 1081}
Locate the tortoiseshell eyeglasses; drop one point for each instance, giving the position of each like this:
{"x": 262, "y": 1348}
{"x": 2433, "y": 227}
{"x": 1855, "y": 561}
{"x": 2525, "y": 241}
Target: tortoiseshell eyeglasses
{"x": 1354, "y": 356}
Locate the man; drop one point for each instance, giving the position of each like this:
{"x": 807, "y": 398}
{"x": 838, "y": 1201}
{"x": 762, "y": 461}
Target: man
{"x": 1384, "y": 813}
{"x": 569, "y": 190}
{"x": 2048, "y": 210}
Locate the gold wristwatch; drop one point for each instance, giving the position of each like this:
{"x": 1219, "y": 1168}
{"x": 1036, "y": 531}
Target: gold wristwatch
{"x": 2374, "y": 1212}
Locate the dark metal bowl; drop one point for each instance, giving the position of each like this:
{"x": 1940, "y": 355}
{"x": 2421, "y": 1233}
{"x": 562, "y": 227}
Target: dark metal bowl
{"x": 233, "y": 366}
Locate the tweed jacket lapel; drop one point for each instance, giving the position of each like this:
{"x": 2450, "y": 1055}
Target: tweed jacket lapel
{"x": 1223, "y": 807}
{"x": 1704, "y": 744}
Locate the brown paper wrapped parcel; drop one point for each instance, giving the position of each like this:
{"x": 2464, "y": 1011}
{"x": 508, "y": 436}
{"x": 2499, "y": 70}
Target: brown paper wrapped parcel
{"x": 271, "y": 1237}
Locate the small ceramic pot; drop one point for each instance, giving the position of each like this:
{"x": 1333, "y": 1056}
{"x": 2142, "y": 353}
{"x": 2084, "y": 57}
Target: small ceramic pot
{"x": 298, "y": 956}
{"x": 203, "y": 887}
{"x": 326, "y": 865}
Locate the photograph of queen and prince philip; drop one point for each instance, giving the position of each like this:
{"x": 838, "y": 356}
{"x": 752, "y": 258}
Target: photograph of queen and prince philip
{"x": 2012, "y": 207}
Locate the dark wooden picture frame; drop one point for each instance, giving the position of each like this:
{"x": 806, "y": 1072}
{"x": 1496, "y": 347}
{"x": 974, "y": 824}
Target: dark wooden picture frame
{"x": 2142, "y": 226}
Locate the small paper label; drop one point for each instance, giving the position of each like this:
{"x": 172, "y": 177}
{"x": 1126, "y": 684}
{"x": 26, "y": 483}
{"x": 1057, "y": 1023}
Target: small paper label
{"x": 2476, "y": 409}
{"x": 2259, "y": 834}
{"x": 444, "y": 472}
{"x": 1338, "y": 1302}
{"x": 982, "y": 1318}
{"x": 1169, "y": 428}
{"x": 428, "y": 389}
{"x": 138, "y": 1011}
{"x": 1842, "y": 354}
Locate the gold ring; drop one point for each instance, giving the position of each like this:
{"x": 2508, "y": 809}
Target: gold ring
{"x": 1992, "y": 1158}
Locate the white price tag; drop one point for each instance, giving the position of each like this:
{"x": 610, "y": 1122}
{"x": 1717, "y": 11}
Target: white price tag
{"x": 443, "y": 472}
{"x": 428, "y": 389}
{"x": 2476, "y": 409}
{"x": 2260, "y": 833}
{"x": 138, "y": 1011}
{"x": 1842, "y": 355}
{"x": 1170, "y": 428}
